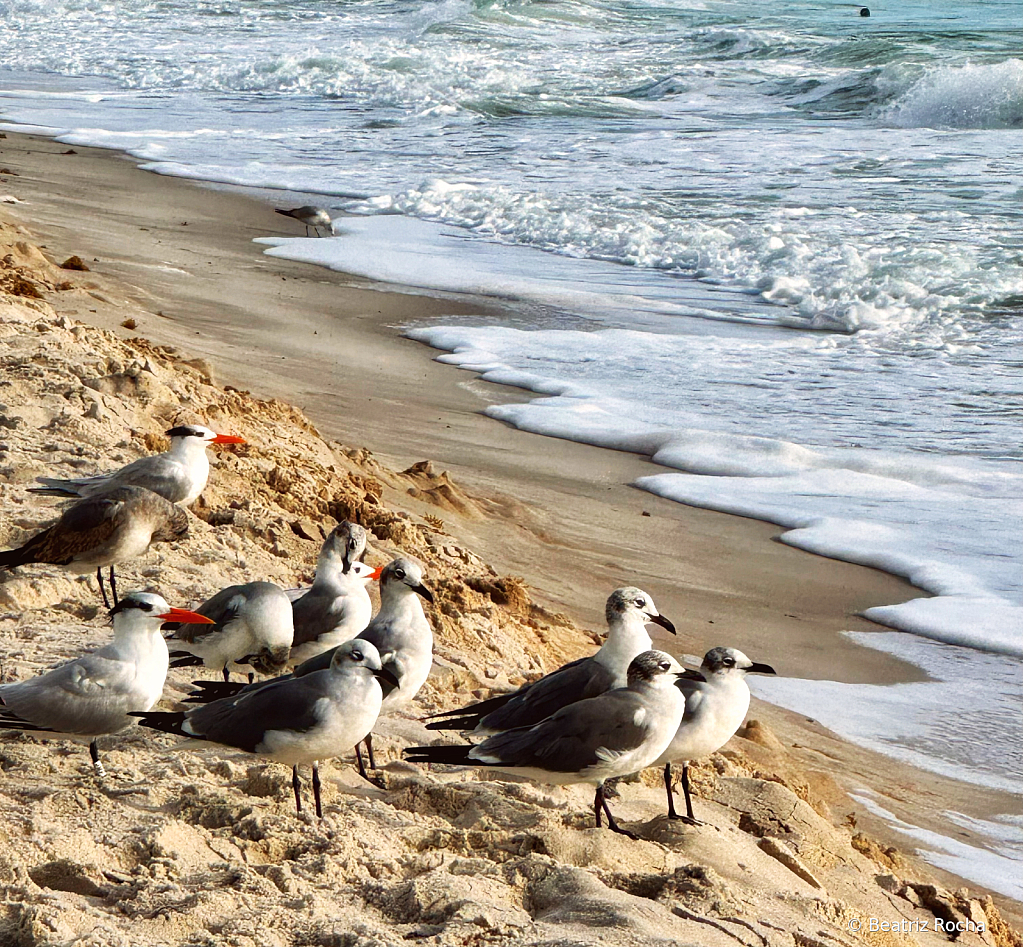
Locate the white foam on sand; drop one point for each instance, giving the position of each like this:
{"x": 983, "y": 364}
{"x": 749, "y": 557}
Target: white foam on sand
{"x": 997, "y": 867}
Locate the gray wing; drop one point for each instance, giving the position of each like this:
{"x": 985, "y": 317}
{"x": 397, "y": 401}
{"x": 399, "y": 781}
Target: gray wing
{"x": 155, "y": 473}
{"x": 86, "y": 696}
{"x": 535, "y": 702}
{"x": 572, "y": 740}
{"x": 315, "y": 615}
{"x": 222, "y": 609}
{"x": 243, "y": 721}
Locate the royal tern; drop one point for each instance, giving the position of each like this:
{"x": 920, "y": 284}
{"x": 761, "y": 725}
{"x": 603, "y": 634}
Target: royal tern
{"x": 103, "y": 530}
{"x": 293, "y": 720}
{"x": 715, "y": 709}
{"x": 92, "y": 696}
{"x": 614, "y": 734}
{"x": 252, "y": 625}
{"x": 315, "y": 217}
{"x": 179, "y": 474}
{"x": 628, "y": 611}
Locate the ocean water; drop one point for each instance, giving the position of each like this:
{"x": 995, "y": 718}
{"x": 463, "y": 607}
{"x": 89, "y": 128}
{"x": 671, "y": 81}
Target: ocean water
{"x": 777, "y": 248}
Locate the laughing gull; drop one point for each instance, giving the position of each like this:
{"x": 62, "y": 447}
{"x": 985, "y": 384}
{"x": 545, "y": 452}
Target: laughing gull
{"x": 337, "y": 607}
{"x": 178, "y": 474}
{"x": 715, "y": 709}
{"x": 400, "y": 632}
{"x": 627, "y": 612}
{"x": 315, "y": 217}
{"x": 614, "y": 734}
{"x": 103, "y": 530}
{"x": 293, "y": 720}
{"x": 252, "y": 625}
{"x": 92, "y": 695}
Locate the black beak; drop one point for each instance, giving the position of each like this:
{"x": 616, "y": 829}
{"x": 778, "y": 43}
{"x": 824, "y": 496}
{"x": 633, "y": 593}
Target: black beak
{"x": 388, "y": 682}
{"x": 346, "y": 564}
{"x": 663, "y": 622}
{"x": 690, "y": 675}
{"x": 424, "y": 591}
{"x": 760, "y": 669}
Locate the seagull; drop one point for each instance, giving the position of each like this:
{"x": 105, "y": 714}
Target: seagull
{"x": 590, "y": 741}
{"x": 315, "y": 217}
{"x": 102, "y": 530}
{"x": 293, "y": 720}
{"x": 627, "y": 612}
{"x": 252, "y": 625}
{"x": 400, "y": 633}
{"x": 178, "y": 474}
{"x": 715, "y": 709}
{"x": 336, "y": 608}
{"x": 92, "y": 695}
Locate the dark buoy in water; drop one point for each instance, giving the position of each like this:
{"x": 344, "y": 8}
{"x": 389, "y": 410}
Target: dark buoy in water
{"x": 864, "y": 11}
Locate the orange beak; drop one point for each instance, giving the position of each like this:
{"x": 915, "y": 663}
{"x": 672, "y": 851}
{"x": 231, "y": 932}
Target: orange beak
{"x": 228, "y": 439}
{"x": 186, "y": 617}
{"x": 375, "y": 574}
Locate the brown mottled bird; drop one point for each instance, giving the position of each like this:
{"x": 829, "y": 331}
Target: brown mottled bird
{"x": 102, "y": 530}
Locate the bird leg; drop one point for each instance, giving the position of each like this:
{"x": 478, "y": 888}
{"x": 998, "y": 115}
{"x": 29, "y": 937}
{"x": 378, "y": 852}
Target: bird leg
{"x": 297, "y": 786}
{"x": 362, "y": 766}
{"x": 113, "y": 586}
{"x": 97, "y": 764}
{"x": 688, "y": 818}
{"x": 316, "y": 791}
{"x": 369, "y": 749}
{"x": 227, "y": 674}
{"x": 102, "y": 588}
{"x": 599, "y": 802}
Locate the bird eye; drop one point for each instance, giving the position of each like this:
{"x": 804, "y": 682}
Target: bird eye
{"x": 356, "y": 655}
{"x": 145, "y": 606}
{"x": 399, "y": 573}
{"x": 640, "y": 603}
{"x": 664, "y": 666}
{"x": 729, "y": 662}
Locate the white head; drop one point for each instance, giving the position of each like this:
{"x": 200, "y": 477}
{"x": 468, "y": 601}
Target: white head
{"x": 147, "y": 611}
{"x": 402, "y": 573}
{"x": 343, "y": 547}
{"x": 358, "y": 653}
{"x": 632, "y": 604}
{"x": 655, "y": 668}
{"x": 731, "y": 663}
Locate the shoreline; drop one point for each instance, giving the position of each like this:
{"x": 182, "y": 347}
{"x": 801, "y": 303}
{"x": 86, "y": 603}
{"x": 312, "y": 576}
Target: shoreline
{"x": 560, "y": 514}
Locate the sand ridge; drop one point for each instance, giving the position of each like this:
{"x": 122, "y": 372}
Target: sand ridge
{"x": 205, "y": 848}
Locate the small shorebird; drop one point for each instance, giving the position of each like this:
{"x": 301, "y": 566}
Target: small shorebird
{"x": 178, "y": 474}
{"x": 293, "y": 720}
{"x": 400, "y": 633}
{"x": 92, "y": 696}
{"x": 102, "y": 530}
{"x": 315, "y": 217}
{"x": 591, "y": 741}
{"x": 715, "y": 709}
{"x": 627, "y": 612}
{"x": 251, "y": 625}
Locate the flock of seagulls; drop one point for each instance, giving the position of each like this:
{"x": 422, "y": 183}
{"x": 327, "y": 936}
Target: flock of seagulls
{"x": 335, "y": 668}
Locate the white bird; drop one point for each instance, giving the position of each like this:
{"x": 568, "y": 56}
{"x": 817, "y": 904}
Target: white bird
{"x": 399, "y": 631}
{"x": 103, "y": 530}
{"x": 614, "y": 734}
{"x": 179, "y": 474}
{"x": 628, "y": 611}
{"x": 251, "y": 625}
{"x": 338, "y": 606}
{"x": 311, "y": 216}
{"x": 92, "y": 695}
{"x": 293, "y": 720}
{"x": 715, "y": 709}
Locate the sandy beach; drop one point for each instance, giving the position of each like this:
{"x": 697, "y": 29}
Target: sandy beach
{"x": 176, "y": 261}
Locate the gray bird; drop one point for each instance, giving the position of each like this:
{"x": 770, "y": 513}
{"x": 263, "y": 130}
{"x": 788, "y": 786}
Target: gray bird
{"x": 628, "y": 611}
{"x": 252, "y": 625}
{"x": 92, "y": 696}
{"x": 293, "y": 720}
{"x": 715, "y": 709}
{"x": 617, "y": 733}
{"x": 179, "y": 474}
{"x": 103, "y": 530}
{"x": 315, "y": 217}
